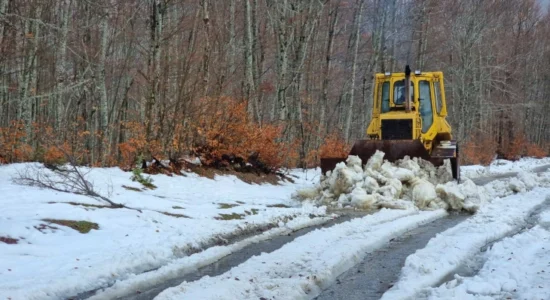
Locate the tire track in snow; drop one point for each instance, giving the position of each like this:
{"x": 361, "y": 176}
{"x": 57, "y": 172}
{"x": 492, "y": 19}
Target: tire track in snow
{"x": 472, "y": 266}
{"x": 515, "y": 268}
{"x": 302, "y": 268}
{"x": 458, "y": 245}
{"x": 215, "y": 261}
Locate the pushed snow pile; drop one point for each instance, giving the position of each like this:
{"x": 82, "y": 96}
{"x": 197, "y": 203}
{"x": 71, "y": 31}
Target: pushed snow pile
{"x": 407, "y": 183}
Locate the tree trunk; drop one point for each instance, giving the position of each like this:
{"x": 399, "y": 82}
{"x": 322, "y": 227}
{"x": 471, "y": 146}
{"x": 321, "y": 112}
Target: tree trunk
{"x": 357, "y": 28}
{"x": 321, "y": 131}
{"x": 250, "y": 94}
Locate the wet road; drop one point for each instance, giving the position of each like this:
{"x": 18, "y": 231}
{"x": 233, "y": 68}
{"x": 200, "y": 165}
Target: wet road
{"x": 234, "y": 259}
{"x": 380, "y": 269}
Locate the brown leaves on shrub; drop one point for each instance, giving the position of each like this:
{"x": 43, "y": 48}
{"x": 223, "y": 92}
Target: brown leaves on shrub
{"x": 223, "y": 130}
{"x": 480, "y": 149}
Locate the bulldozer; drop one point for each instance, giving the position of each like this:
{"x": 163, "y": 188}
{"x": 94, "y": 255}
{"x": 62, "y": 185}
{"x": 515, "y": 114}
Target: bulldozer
{"x": 408, "y": 119}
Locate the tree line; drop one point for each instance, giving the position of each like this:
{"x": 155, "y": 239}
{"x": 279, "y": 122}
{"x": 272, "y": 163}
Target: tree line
{"x": 115, "y": 79}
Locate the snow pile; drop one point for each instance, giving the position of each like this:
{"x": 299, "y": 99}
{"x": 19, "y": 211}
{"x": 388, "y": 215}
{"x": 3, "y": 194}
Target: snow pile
{"x": 407, "y": 183}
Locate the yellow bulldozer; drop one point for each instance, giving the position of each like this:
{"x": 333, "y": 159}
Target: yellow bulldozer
{"x": 408, "y": 119}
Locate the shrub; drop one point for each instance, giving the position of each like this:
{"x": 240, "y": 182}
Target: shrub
{"x": 13, "y": 146}
{"x": 223, "y": 134}
{"x": 137, "y": 175}
{"x": 480, "y": 149}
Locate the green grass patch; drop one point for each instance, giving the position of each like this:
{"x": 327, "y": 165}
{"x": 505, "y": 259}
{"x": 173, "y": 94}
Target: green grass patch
{"x": 80, "y": 226}
{"x": 279, "y": 205}
{"x": 226, "y": 205}
{"x": 177, "y": 207}
{"x": 240, "y": 202}
{"x": 233, "y": 216}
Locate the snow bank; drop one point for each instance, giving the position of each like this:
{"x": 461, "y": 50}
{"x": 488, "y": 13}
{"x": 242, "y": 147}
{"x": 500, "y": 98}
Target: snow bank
{"x": 515, "y": 268}
{"x": 448, "y": 250}
{"x": 303, "y": 267}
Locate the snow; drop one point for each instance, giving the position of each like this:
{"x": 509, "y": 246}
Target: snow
{"x": 380, "y": 183}
{"x": 303, "y": 267}
{"x": 129, "y": 242}
{"x": 500, "y": 166}
{"x": 136, "y": 250}
{"x": 515, "y": 268}
{"x": 192, "y": 263}
{"x": 410, "y": 183}
{"x": 453, "y": 247}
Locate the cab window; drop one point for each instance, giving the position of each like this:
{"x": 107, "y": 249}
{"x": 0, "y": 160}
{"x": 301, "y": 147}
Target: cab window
{"x": 437, "y": 92}
{"x": 425, "y": 105}
{"x": 399, "y": 92}
{"x": 385, "y": 94}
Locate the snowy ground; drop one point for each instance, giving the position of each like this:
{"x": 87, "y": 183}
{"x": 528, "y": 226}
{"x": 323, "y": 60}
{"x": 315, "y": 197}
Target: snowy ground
{"x": 51, "y": 261}
{"x": 499, "y": 166}
{"x": 319, "y": 257}
{"x": 459, "y": 245}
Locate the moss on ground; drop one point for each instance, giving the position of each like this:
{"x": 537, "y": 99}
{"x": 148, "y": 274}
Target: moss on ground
{"x": 280, "y": 205}
{"x": 80, "y": 226}
{"x": 226, "y": 205}
{"x": 233, "y": 216}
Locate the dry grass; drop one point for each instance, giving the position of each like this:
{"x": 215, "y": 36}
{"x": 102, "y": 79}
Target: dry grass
{"x": 246, "y": 177}
{"x": 84, "y": 204}
{"x": 176, "y": 215}
{"x": 131, "y": 188}
{"x": 8, "y": 240}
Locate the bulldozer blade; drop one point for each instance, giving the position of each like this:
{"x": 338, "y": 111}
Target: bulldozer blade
{"x": 329, "y": 163}
{"x": 393, "y": 149}
{"x": 397, "y": 149}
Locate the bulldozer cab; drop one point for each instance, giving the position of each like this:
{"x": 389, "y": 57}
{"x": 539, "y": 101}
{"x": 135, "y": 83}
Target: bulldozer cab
{"x": 423, "y": 99}
{"x": 408, "y": 119}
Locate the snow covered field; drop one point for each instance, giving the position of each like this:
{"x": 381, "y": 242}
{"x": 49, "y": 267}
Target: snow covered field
{"x": 51, "y": 261}
{"x": 189, "y": 222}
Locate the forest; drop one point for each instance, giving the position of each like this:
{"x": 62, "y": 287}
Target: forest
{"x": 284, "y": 81}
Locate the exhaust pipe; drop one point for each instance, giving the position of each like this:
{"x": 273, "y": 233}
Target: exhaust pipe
{"x": 407, "y": 89}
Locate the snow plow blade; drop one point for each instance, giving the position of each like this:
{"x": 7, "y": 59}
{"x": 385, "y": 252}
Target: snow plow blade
{"x": 397, "y": 149}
